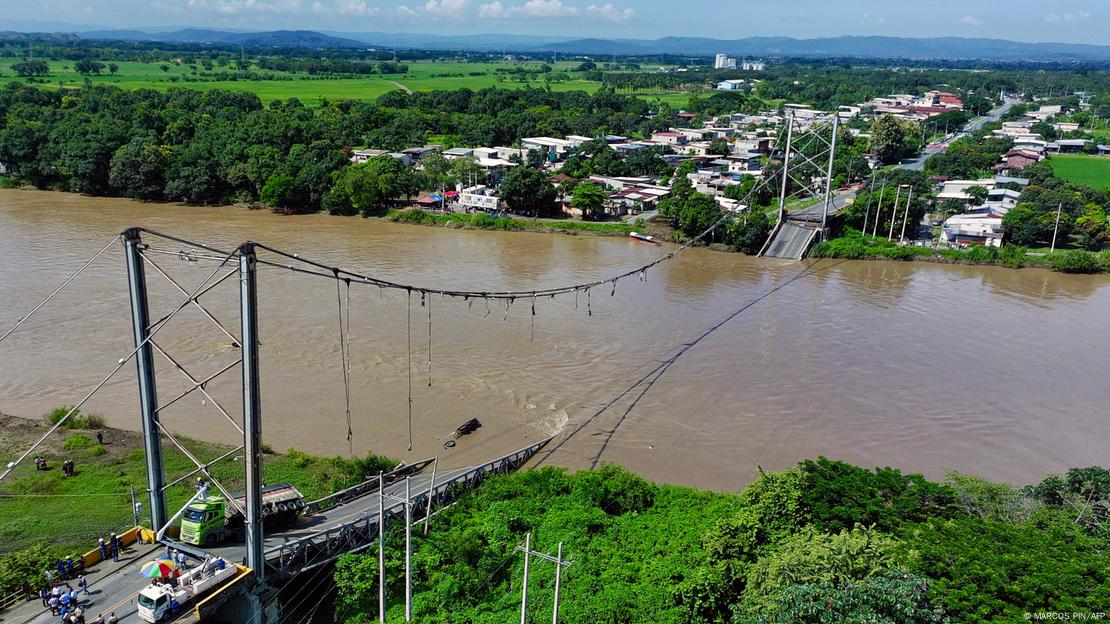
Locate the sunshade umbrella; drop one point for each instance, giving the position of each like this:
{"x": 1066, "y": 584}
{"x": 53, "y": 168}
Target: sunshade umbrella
{"x": 158, "y": 568}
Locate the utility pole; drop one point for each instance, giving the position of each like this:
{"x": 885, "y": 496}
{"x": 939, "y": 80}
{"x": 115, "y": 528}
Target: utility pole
{"x": 148, "y": 389}
{"x": 558, "y": 584}
{"x": 870, "y": 196}
{"x": 252, "y": 407}
{"x": 828, "y": 174}
{"x": 134, "y": 506}
{"x": 894, "y": 213}
{"x": 906, "y": 215}
{"x": 431, "y": 494}
{"x": 559, "y": 565}
{"x": 786, "y": 165}
{"x": 382, "y": 496}
{"x": 381, "y": 548}
{"x": 524, "y": 590}
{"x": 408, "y": 551}
{"x": 878, "y": 209}
{"x": 1056, "y": 230}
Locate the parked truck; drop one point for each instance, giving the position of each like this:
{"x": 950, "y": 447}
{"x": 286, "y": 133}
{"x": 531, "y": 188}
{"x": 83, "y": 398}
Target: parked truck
{"x": 208, "y": 521}
{"x": 159, "y": 600}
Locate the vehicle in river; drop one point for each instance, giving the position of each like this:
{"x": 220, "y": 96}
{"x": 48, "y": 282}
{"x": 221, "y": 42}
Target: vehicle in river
{"x": 647, "y": 238}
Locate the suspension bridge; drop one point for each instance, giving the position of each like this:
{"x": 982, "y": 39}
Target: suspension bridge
{"x": 348, "y": 521}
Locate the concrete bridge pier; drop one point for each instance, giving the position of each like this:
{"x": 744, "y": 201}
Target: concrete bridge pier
{"x": 258, "y": 606}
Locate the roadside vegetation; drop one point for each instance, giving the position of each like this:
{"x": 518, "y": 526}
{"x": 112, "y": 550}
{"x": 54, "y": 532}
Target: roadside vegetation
{"x": 45, "y": 515}
{"x": 855, "y": 246}
{"x": 822, "y": 542}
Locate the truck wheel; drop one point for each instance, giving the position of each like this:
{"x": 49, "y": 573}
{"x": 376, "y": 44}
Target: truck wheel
{"x": 209, "y": 540}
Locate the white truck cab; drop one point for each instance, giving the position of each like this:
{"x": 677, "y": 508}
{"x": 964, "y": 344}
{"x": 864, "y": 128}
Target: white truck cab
{"x": 157, "y": 600}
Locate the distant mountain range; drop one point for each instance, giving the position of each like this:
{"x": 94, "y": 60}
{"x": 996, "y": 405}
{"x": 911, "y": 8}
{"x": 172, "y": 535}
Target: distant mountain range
{"x": 939, "y": 48}
{"x": 949, "y": 48}
{"x": 275, "y": 38}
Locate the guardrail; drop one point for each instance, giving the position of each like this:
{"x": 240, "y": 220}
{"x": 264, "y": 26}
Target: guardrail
{"x": 18, "y": 598}
{"x": 318, "y": 549}
{"x": 366, "y": 487}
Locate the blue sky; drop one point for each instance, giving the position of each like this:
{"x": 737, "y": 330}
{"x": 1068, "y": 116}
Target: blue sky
{"x": 1073, "y": 21}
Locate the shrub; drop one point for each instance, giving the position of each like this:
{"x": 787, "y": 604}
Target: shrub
{"x": 77, "y": 442}
{"x": 982, "y": 254}
{"x": 96, "y": 451}
{"x": 615, "y": 490}
{"x": 79, "y": 420}
{"x": 1012, "y": 256}
{"x": 483, "y": 221}
{"x": 987, "y": 571}
{"x": 893, "y": 596}
{"x": 812, "y": 557}
{"x": 838, "y": 496}
{"x": 994, "y": 501}
{"x": 417, "y": 216}
{"x": 1104, "y": 259}
{"x": 22, "y": 570}
{"x": 1075, "y": 261}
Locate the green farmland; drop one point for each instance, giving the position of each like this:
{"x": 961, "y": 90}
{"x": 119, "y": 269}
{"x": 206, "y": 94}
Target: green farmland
{"x": 1090, "y": 170}
{"x": 422, "y": 76}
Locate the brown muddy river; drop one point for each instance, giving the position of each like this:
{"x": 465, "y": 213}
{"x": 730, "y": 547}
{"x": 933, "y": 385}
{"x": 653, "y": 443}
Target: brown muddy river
{"x": 924, "y": 367}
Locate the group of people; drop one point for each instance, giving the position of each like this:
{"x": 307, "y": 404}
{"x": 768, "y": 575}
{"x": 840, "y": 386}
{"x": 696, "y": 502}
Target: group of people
{"x": 68, "y": 569}
{"x": 112, "y": 548}
{"x": 68, "y": 468}
{"x": 40, "y": 463}
{"x": 63, "y": 600}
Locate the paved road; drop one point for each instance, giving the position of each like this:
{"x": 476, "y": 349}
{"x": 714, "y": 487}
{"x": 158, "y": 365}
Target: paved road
{"x": 917, "y": 163}
{"x": 114, "y": 586}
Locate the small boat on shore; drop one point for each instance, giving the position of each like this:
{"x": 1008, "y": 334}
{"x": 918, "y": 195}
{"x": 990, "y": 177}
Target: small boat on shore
{"x": 643, "y": 237}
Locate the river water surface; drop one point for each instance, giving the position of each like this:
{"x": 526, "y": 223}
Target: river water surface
{"x": 928, "y": 368}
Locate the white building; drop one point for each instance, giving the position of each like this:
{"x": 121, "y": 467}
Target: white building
{"x": 975, "y": 228}
{"x": 479, "y": 198}
{"x": 722, "y": 61}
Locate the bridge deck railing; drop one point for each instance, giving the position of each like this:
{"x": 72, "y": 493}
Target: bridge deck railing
{"x": 320, "y": 548}
{"x": 366, "y": 487}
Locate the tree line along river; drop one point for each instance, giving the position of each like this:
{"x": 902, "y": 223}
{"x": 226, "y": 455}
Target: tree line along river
{"x": 987, "y": 370}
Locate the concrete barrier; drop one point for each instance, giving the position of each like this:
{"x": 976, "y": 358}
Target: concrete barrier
{"x": 212, "y": 604}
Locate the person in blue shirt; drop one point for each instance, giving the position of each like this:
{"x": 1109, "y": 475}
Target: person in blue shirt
{"x": 103, "y": 550}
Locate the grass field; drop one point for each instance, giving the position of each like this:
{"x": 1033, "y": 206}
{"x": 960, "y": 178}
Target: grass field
{"x": 422, "y": 76}
{"x": 1090, "y": 170}
{"x": 71, "y": 512}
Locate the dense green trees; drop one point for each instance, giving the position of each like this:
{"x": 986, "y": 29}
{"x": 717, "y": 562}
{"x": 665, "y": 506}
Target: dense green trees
{"x": 892, "y": 139}
{"x": 589, "y": 198}
{"x": 528, "y": 191}
{"x": 375, "y": 185}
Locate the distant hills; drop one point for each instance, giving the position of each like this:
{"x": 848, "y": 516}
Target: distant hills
{"x": 275, "y": 38}
{"x": 872, "y": 47}
{"x": 950, "y": 48}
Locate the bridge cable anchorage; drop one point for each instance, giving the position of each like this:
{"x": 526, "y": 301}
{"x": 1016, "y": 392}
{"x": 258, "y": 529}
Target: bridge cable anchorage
{"x": 155, "y": 328}
{"x": 345, "y": 350}
{"x": 57, "y": 290}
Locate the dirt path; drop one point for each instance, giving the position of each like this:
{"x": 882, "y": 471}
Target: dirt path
{"x": 401, "y": 87}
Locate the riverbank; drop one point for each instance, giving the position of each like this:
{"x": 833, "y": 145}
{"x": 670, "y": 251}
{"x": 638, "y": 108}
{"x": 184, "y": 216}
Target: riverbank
{"x": 865, "y": 545}
{"x": 855, "y": 246}
{"x": 485, "y": 221}
{"x": 47, "y": 514}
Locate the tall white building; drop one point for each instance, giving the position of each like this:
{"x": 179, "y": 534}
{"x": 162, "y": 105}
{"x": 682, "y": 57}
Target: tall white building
{"x": 722, "y": 61}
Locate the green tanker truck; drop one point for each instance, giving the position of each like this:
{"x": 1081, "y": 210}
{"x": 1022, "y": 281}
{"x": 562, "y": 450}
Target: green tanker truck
{"x": 208, "y": 521}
